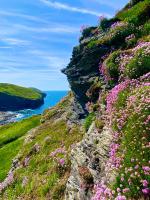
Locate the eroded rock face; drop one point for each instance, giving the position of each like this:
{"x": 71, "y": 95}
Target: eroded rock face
{"x": 83, "y": 70}
{"x": 89, "y": 155}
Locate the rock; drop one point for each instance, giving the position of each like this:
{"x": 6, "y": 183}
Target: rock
{"x": 83, "y": 70}
{"x": 91, "y": 157}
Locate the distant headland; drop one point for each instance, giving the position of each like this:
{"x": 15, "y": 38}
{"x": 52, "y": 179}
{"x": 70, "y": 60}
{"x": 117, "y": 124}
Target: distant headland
{"x": 14, "y": 97}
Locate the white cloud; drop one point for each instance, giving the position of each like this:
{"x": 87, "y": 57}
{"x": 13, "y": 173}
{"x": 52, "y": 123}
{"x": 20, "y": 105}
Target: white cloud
{"x": 16, "y": 41}
{"x": 48, "y": 29}
{"x": 61, "y": 6}
{"x": 21, "y": 15}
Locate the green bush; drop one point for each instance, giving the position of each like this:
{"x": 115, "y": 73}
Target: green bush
{"x": 92, "y": 43}
{"x": 138, "y": 14}
{"x": 88, "y": 121}
{"x": 87, "y": 32}
{"x": 116, "y": 36}
{"x": 106, "y": 23}
{"x": 138, "y": 65}
{"x": 112, "y": 64}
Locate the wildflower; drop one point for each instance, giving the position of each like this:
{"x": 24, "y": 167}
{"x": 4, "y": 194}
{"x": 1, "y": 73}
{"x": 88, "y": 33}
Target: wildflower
{"x": 146, "y": 191}
{"x": 62, "y": 162}
{"x": 145, "y": 183}
{"x": 121, "y": 197}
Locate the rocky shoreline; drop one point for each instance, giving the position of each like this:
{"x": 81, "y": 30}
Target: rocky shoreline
{"x": 6, "y": 117}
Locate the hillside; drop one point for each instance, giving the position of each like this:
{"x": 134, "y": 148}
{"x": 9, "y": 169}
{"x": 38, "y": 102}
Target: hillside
{"x": 20, "y": 97}
{"x": 95, "y": 143}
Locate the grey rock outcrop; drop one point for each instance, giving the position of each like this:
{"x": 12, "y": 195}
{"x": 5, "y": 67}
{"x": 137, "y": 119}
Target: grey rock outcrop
{"x": 91, "y": 154}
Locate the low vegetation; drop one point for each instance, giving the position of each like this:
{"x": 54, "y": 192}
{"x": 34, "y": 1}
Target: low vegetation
{"x": 43, "y": 158}
{"x": 14, "y": 90}
{"x": 11, "y": 140}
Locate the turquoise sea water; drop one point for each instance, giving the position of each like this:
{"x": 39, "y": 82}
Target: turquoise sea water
{"x": 52, "y": 98}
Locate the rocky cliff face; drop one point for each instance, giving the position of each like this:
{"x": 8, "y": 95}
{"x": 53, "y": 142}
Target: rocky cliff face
{"x": 83, "y": 70}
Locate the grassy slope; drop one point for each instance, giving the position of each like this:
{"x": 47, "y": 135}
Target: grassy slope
{"x": 45, "y": 178}
{"x": 11, "y": 140}
{"x": 134, "y": 138}
{"x": 19, "y": 91}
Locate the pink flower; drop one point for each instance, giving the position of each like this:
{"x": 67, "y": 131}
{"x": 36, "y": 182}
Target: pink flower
{"x": 146, "y": 168}
{"x": 62, "y": 162}
{"x": 121, "y": 197}
{"x": 122, "y": 179}
{"x": 145, "y": 183}
{"x": 126, "y": 190}
{"x": 146, "y": 191}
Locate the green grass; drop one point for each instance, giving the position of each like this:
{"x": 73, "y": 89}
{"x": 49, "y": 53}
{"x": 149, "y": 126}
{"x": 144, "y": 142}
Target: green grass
{"x": 46, "y": 179}
{"x": 137, "y": 14}
{"x": 14, "y": 90}
{"x": 88, "y": 120}
{"x": 11, "y": 140}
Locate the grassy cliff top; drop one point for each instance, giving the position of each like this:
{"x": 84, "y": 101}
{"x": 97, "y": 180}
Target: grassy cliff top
{"x": 19, "y": 91}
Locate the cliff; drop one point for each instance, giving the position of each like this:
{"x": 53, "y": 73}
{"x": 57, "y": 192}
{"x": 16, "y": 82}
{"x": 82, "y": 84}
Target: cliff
{"x": 94, "y": 144}
{"x": 14, "y": 97}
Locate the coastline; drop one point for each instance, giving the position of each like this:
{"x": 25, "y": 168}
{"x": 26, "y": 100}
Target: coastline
{"x": 7, "y": 117}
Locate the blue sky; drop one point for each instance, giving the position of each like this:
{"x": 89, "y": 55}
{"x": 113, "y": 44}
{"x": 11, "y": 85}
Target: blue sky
{"x": 37, "y": 37}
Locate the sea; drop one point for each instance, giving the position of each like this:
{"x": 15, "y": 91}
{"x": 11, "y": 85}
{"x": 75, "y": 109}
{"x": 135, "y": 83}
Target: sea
{"x": 51, "y": 99}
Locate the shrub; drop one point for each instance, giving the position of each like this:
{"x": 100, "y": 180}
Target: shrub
{"x": 87, "y": 32}
{"x": 138, "y": 14}
{"x": 112, "y": 65}
{"x": 88, "y": 121}
{"x": 106, "y": 23}
{"x": 117, "y": 34}
{"x": 92, "y": 43}
{"x": 139, "y": 64}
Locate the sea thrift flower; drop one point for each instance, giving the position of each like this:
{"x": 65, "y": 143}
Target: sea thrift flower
{"x": 146, "y": 168}
{"x": 146, "y": 191}
{"x": 121, "y": 197}
{"x": 62, "y": 162}
{"x": 145, "y": 183}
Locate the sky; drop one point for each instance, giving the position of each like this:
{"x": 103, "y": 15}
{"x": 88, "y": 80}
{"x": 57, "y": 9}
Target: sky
{"x": 37, "y": 37}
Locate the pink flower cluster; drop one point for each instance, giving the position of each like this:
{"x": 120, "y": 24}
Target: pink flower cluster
{"x": 55, "y": 155}
{"x": 130, "y": 37}
{"x": 117, "y": 24}
{"x": 113, "y": 95}
{"x": 138, "y": 170}
{"x": 103, "y": 70}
